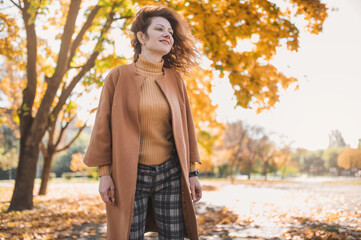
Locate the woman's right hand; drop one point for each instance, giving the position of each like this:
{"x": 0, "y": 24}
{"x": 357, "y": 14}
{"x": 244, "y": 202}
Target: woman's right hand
{"x": 107, "y": 189}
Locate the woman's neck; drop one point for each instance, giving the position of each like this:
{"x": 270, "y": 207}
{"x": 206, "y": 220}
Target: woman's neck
{"x": 155, "y": 58}
{"x": 145, "y": 66}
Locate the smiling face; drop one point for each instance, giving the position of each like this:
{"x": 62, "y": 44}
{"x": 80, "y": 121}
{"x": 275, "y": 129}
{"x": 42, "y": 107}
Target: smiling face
{"x": 159, "y": 39}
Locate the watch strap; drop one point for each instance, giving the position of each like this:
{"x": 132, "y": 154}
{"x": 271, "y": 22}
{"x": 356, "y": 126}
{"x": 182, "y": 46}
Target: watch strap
{"x": 194, "y": 173}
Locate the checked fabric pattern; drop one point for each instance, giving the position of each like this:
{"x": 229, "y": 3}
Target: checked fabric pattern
{"x": 162, "y": 185}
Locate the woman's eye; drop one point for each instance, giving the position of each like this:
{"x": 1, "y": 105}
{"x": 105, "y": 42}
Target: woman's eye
{"x": 161, "y": 29}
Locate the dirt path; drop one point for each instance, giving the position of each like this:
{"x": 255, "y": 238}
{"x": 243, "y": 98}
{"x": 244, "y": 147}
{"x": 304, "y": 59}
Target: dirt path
{"x": 272, "y": 210}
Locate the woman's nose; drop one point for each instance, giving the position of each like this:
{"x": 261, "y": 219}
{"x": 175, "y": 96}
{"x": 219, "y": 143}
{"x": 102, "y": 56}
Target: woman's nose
{"x": 166, "y": 34}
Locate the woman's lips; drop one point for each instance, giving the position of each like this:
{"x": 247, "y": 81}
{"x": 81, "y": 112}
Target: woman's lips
{"x": 165, "y": 41}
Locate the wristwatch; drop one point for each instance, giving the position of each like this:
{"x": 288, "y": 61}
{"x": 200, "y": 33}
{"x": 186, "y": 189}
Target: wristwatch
{"x": 194, "y": 173}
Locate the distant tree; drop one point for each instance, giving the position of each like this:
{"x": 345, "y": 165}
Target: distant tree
{"x": 330, "y": 156}
{"x": 298, "y": 156}
{"x": 266, "y": 153}
{"x": 11, "y": 85}
{"x": 234, "y": 148}
{"x": 317, "y": 166}
{"x": 239, "y": 148}
{"x": 77, "y": 163}
{"x": 255, "y": 133}
{"x": 283, "y": 159}
{"x": 335, "y": 139}
{"x": 314, "y": 163}
{"x": 53, "y": 143}
{"x": 223, "y": 170}
{"x": 9, "y": 149}
{"x": 63, "y": 161}
{"x": 350, "y": 159}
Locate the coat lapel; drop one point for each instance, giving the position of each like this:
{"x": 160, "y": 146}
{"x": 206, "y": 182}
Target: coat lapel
{"x": 138, "y": 79}
{"x": 163, "y": 83}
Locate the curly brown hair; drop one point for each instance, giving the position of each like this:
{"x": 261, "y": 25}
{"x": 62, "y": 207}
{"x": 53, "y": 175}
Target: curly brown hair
{"x": 184, "y": 53}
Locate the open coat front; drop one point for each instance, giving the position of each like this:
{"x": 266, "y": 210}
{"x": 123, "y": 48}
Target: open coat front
{"x": 116, "y": 139}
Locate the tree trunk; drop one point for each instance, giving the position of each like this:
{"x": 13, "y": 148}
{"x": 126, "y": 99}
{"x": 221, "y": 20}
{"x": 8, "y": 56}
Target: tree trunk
{"x": 231, "y": 173}
{"x": 25, "y": 176}
{"x": 283, "y": 173}
{"x": 249, "y": 170}
{"x": 265, "y": 168}
{"x": 29, "y": 144}
{"x": 232, "y": 179}
{"x": 46, "y": 172}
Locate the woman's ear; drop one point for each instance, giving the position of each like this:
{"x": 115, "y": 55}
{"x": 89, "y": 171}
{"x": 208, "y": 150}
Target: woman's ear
{"x": 141, "y": 37}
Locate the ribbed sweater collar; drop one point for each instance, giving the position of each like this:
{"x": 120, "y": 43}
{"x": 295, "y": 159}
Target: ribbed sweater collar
{"x": 143, "y": 65}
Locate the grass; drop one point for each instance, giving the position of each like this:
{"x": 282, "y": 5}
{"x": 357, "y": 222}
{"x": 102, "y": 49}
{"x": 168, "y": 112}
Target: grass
{"x": 344, "y": 182}
{"x": 58, "y": 180}
{"x": 245, "y": 181}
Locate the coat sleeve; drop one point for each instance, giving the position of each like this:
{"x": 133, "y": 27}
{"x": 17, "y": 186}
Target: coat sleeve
{"x": 99, "y": 151}
{"x": 104, "y": 170}
{"x": 193, "y": 145}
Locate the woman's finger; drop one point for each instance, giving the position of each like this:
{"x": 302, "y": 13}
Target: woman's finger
{"x": 105, "y": 197}
{"x": 112, "y": 193}
{"x": 193, "y": 195}
{"x": 199, "y": 193}
{"x": 109, "y": 199}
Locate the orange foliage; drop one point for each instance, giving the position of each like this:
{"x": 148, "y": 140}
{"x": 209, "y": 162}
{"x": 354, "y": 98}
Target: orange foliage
{"x": 77, "y": 162}
{"x": 350, "y": 158}
{"x": 222, "y": 26}
{"x": 54, "y": 216}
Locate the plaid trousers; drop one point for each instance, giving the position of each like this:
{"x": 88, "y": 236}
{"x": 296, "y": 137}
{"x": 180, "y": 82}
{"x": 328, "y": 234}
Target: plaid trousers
{"x": 162, "y": 185}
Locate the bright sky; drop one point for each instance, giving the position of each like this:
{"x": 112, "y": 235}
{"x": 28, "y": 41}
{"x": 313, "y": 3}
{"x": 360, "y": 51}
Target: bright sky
{"x": 329, "y": 97}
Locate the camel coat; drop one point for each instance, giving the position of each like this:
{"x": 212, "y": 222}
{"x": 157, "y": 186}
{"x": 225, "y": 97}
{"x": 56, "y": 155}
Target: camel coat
{"x": 115, "y": 140}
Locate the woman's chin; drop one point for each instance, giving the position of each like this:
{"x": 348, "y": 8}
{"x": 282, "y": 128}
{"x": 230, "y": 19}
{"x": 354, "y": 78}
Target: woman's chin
{"x": 164, "y": 50}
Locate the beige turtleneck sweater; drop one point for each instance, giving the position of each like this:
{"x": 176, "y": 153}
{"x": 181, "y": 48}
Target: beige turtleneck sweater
{"x": 154, "y": 117}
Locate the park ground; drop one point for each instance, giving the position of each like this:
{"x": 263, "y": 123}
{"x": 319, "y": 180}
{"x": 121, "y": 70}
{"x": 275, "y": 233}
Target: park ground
{"x": 309, "y": 209}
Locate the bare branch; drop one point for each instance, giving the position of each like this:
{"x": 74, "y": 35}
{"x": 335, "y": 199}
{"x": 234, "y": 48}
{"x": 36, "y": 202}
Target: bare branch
{"x": 43, "y": 149}
{"x": 66, "y": 40}
{"x": 73, "y": 140}
{"x": 89, "y": 64}
{"x": 17, "y": 5}
{"x": 51, "y": 131}
{"x": 77, "y": 67}
{"x": 81, "y": 34}
{"x": 62, "y": 130}
{"x": 85, "y": 27}
{"x": 122, "y": 17}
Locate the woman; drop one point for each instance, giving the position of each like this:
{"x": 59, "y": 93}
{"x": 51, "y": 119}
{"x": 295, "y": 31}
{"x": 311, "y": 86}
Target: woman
{"x": 143, "y": 140}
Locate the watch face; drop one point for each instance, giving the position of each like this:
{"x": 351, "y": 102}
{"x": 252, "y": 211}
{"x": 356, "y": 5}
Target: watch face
{"x": 194, "y": 173}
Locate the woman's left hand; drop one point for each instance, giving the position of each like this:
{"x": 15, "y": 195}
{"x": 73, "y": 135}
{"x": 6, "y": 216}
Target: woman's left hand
{"x": 196, "y": 189}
